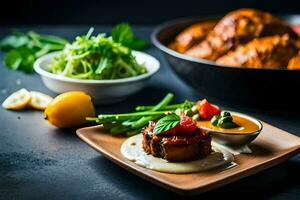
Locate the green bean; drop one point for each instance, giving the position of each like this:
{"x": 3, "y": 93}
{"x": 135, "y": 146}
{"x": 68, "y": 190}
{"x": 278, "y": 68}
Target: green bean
{"x": 168, "y": 107}
{"x": 91, "y": 119}
{"x": 126, "y": 116}
{"x": 164, "y": 102}
{"x": 144, "y": 121}
{"x": 119, "y": 129}
{"x": 110, "y": 125}
{"x": 102, "y": 121}
{"x": 134, "y": 132}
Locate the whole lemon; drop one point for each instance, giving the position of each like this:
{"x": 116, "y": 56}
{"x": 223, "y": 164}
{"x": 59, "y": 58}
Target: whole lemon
{"x": 70, "y": 109}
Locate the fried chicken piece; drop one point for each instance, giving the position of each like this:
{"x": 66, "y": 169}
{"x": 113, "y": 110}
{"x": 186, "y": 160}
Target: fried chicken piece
{"x": 297, "y": 43}
{"x": 294, "y": 63}
{"x": 191, "y": 35}
{"x": 267, "y": 52}
{"x": 239, "y": 27}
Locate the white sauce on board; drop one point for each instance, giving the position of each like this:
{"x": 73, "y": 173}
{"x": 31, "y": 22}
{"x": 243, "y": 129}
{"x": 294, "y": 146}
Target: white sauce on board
{"x": 132, "y": 150}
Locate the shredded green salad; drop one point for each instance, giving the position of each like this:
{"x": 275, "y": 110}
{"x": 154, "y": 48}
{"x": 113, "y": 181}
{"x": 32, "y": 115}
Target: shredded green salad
{"x": 100, "y": 57}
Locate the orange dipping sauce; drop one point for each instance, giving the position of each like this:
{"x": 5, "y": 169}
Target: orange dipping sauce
{"x": 246, "y": 126}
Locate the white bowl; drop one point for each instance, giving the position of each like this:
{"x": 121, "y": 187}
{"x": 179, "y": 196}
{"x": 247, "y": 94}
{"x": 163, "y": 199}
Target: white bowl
{"x": 102, "y": 91}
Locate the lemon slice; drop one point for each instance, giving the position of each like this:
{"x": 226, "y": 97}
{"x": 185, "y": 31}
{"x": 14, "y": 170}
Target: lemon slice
{"x": 17, "y": 100}
{"x": 39, "y": 100}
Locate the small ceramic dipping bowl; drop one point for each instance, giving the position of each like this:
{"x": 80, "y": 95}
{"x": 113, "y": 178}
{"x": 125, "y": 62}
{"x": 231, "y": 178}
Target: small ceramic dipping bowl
{"x": 236, "y": 139}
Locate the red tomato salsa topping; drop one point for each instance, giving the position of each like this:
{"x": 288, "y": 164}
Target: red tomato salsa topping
{"x": 185, "y": 126}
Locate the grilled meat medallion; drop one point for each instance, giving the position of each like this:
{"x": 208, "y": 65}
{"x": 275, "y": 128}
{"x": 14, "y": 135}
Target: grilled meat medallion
{"x": 176, "y": 147}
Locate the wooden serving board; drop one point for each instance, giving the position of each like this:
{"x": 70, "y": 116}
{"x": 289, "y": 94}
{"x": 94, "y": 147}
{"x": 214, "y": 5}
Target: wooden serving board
{"x": 270, "y": 148}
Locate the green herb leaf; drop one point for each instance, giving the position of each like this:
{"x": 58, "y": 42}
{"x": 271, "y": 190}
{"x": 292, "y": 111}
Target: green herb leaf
{"x": 23, "y": 49}
{"x": 122, "y": 33}
{"x": 166, "y": 123}
{"x": 13, "y": 41}
{"x": 27, "y": 64}
{"x": 13, "y": 59}
{"x": 138, "y": 44}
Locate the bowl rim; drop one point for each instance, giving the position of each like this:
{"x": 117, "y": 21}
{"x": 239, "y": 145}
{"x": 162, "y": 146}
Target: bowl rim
{"x": 161, "y": 27}
{"x": 253, "y": 119}
{"x": 42, "y": 72}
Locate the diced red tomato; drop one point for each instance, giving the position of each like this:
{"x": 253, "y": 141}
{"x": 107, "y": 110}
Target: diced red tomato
{"x": 186, "y": 125}
{"x": 207, "y": 110}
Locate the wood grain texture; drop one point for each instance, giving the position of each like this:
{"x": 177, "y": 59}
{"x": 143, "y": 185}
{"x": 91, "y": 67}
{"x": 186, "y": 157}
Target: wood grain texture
{"x": 271, "y": 147}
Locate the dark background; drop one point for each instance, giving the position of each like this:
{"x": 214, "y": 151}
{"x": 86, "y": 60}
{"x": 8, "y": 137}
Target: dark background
{"x": 38, "y": 161}
{"x": 25, "y": 12}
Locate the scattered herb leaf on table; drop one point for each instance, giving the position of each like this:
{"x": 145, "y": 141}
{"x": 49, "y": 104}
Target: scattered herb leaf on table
{"x": 22, "y": 49}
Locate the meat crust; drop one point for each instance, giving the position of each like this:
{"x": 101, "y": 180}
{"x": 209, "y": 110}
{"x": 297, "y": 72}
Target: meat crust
{"x": 177, "y": 148}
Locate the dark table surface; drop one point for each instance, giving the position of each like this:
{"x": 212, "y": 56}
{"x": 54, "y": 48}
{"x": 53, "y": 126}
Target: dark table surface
{"x": 39, "y": 161}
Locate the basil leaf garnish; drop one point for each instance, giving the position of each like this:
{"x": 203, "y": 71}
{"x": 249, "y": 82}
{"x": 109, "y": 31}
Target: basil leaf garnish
{"x": 166, "y": 123}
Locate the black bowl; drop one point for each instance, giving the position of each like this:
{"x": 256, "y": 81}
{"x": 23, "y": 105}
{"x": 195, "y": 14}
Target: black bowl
{"x": 268, "y": 88}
